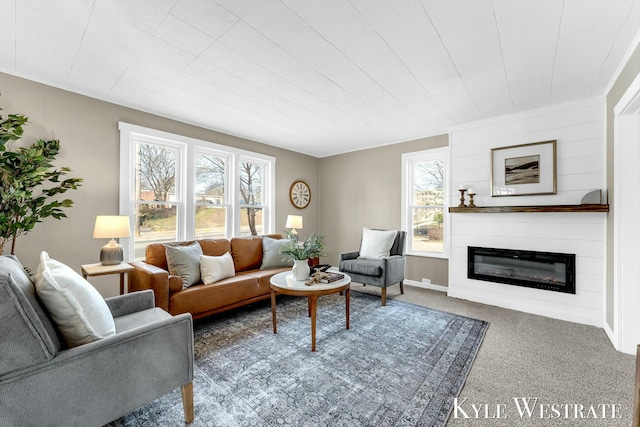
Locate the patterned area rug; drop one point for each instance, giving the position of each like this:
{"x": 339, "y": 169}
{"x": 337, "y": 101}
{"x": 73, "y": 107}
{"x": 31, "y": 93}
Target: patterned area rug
{"x": 399, "y": 365}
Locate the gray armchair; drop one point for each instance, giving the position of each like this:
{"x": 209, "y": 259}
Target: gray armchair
{"x": 383, "y": 272}
{"x": 44, "y": 383}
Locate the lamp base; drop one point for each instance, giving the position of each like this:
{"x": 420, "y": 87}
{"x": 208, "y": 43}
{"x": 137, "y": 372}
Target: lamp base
{"x": 111, "y": 253}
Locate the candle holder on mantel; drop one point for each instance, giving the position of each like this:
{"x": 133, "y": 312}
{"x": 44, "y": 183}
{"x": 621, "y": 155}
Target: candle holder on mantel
{"x": 471, "y": 204}
{"x": 462, "y": 190}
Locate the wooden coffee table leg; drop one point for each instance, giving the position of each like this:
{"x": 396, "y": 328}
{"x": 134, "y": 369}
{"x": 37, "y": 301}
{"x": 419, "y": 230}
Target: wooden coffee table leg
{"x": 312, "y": 306}
{"x": 273, "y": 309}
{"x": 347, "y": 294}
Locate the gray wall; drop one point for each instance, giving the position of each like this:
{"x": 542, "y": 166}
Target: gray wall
{"x": 89, "y": 136}
{"x": 362, "y": 189}
{"x": 629, "y": 72}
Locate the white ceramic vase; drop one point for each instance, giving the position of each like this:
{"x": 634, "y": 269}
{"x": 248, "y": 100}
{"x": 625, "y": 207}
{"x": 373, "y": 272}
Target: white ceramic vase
{"x": 300, "y": 269}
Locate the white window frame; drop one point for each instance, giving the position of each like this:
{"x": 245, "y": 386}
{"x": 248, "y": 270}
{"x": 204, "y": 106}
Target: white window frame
{"x": 229, "y": 179}
{"x": 185, "y": 180}
{"x": 406, "y": 223}
{"x": 267, "y": 193}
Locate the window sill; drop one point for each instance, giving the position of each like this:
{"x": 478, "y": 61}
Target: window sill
{"x": 428, "y": 254}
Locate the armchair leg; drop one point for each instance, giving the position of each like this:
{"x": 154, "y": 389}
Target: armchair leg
{"x": 384, "y": 296}
{"x": 187, "y": 401}
{"x": 402, "y": 287}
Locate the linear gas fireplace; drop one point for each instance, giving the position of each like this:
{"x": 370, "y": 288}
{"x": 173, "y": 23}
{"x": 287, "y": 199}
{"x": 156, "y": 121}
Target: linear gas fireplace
{"x": 542, "y": 270}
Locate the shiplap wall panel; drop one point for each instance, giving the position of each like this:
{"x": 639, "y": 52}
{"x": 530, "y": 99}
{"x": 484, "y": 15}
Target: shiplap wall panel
{"x": 579, "y": 129}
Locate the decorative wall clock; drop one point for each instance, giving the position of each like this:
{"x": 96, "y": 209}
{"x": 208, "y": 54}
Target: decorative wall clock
{"x": 300, "y": 194}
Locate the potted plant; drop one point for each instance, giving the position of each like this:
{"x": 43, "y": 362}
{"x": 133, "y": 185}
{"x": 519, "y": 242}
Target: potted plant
{"x": 300, "y": 252}
{"x": 29, "y": 183}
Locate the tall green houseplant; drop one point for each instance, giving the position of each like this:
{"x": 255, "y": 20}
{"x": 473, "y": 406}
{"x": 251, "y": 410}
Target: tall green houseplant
{"x": 29, "y": 183}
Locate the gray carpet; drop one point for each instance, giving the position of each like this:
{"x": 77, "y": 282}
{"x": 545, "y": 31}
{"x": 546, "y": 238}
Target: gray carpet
{"x": 524, "y": 355}
{"x": 399, "y": 365}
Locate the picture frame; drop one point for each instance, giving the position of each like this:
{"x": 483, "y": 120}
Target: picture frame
{"x": 524, "y": 170}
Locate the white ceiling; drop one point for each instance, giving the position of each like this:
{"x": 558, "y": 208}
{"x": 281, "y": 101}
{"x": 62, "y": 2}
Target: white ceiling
{"x": 321, "y": 77}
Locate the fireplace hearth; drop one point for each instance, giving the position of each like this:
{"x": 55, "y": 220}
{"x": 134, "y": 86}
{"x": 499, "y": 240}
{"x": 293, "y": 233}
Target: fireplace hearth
{"x": 542, "y": 270}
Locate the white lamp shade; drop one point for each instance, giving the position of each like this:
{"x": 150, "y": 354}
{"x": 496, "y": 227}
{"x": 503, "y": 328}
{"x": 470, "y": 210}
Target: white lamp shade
{"x": 111, "y": 227}
{"x": 294, "y": 221}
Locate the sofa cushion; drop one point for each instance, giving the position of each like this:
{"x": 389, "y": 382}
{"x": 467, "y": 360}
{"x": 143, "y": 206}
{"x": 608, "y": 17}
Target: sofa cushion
{"x": 365, "y": 267}
{"x": 271, "y": 256}
{"x": 184, "y": 261}
{"x": 77, "y": 307}
{"x": 203, "y": 298}
{"x": 376, "y": 243}
{"x": 246, "y": 252}
{"x": 175, "y": 283}
{"x": 215, "y": 247}
{"x": 264, "y": 276}
{"x": 215, "y": 268}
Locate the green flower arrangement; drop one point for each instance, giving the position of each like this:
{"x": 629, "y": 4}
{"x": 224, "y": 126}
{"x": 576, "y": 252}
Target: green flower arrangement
{"x": 310, "y": 248}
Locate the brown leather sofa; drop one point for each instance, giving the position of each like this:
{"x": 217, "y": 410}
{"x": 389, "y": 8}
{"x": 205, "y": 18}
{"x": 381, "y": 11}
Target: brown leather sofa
{"x": 250, "y": 284}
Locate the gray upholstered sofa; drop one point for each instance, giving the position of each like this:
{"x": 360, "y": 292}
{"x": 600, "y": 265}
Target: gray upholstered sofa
{"x": 383, "y": 271}
{"x": 44, "y": 383}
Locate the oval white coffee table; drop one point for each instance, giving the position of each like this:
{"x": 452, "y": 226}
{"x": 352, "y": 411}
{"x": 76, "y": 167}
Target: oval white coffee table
{"x": 284, "y": 283}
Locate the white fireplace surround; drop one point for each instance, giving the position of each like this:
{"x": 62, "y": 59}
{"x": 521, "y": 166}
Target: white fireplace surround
{"x": 579, "y": 129}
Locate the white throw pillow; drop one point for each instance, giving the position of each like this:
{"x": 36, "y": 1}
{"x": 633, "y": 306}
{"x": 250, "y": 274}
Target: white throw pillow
{"x": 376, "y": 244}
{"x": 215, "y": 268}
{"x": 78, "y": 309}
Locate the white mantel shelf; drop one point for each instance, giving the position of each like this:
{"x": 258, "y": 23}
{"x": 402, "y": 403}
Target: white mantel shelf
{"x": 546, "y": 208}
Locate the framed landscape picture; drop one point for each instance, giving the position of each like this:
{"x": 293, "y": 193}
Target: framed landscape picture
{"x": 524, "y": 170}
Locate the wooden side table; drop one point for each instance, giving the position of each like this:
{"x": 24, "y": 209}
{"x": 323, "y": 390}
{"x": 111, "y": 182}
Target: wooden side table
{"x": 90, "y": 270}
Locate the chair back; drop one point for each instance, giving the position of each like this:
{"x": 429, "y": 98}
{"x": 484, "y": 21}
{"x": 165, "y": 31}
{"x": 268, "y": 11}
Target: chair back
{"x": 398, "y": 244}
{"x": 27, "y": 333}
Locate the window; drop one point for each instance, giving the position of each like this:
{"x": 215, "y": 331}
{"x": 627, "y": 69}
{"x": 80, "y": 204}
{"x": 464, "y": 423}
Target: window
{"x": 251, "y": 206}
{"x": 424, "y": 201}
{"x": 211, "y": 198}
{"x": 177, "y": 188}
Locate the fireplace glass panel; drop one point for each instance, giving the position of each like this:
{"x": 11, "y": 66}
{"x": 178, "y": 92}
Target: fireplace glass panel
{"x": 543, "y": 270}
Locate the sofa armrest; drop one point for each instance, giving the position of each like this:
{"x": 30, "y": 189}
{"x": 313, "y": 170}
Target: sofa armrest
{"x": 130, "y": 303}
{"x": 348, "y": 255}
{"x": 147, "y": 276}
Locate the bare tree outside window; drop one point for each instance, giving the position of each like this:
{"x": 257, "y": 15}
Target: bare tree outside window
{"x": 428, "y": 211}
{"x": 210, "y": 175}
{"x": 251, "y": 178}
{"x": 155, "y": 181}
{"x": 210, "y": 200}
{"x": 429, "y": 183}
{"x": 157, "y": 170}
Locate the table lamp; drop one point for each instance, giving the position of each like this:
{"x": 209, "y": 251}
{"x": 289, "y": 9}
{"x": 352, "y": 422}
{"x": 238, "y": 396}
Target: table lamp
{"x": 293, "y": 222}
{"x": 111, "y": 227}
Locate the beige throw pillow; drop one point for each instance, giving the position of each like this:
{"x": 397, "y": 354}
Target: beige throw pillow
{"x": 76, "y": 307}
{"x": 216, "y": 268}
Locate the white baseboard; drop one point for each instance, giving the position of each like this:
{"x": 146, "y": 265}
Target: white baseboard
{"x": 554, "y": 314}
{"x": 417, "y": 284}
{"x": 610, "y": 334}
